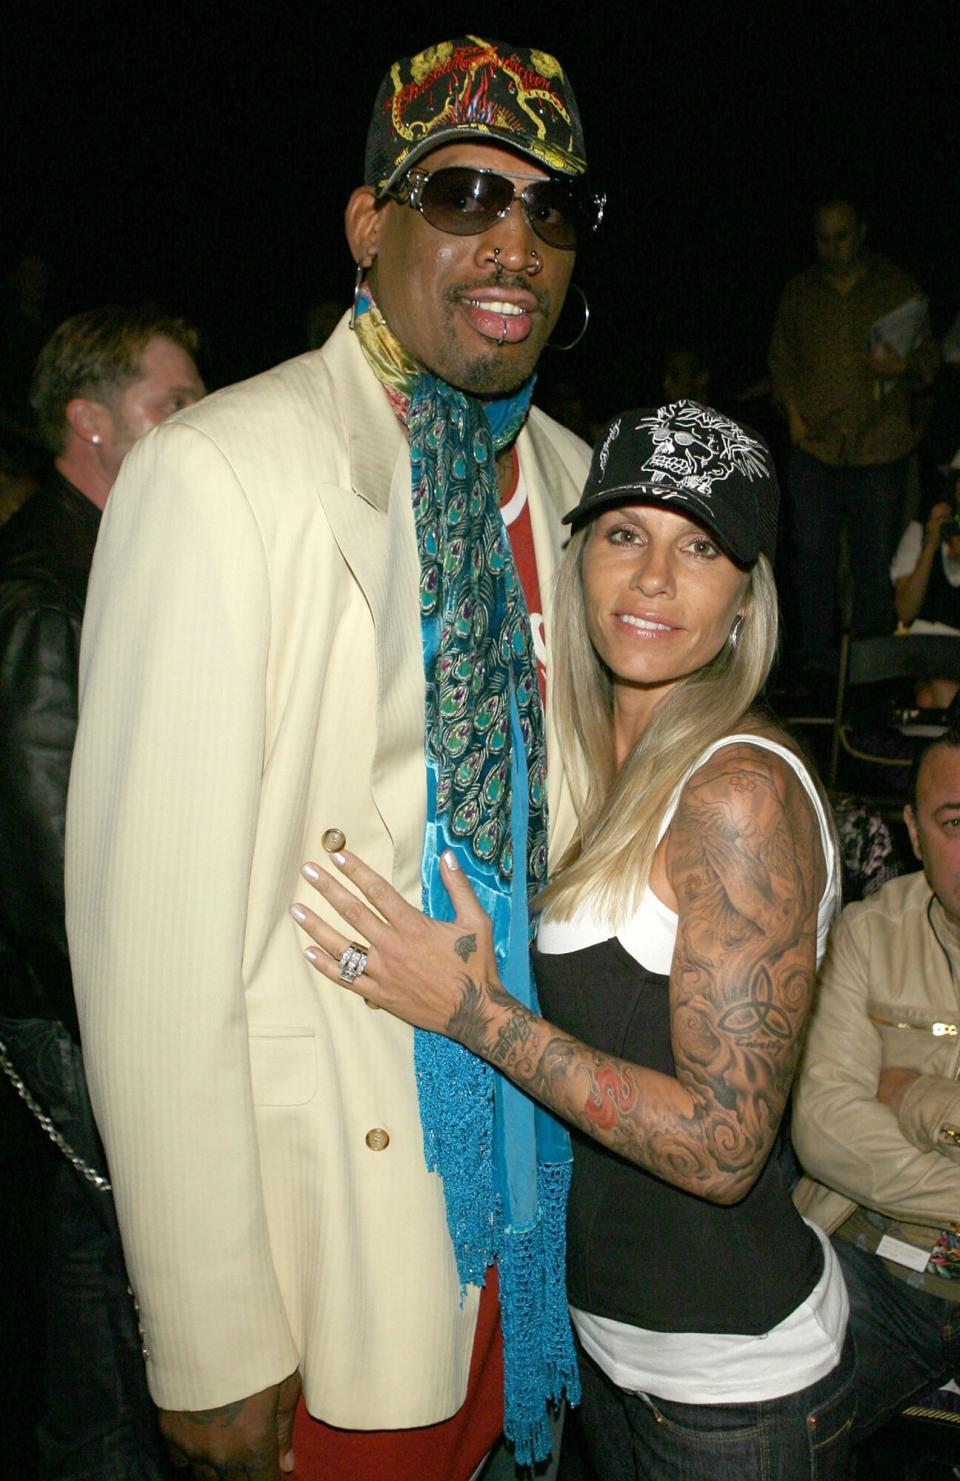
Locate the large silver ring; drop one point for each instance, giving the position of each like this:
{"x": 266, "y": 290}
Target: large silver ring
{"x": 352, "y": 962}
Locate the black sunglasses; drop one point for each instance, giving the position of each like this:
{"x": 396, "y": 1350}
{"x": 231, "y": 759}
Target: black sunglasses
{"x": 464, "y": 202}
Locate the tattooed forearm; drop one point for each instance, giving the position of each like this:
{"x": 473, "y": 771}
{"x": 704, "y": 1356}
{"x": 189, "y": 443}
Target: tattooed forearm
{"x": 469, "y": 1020}
{"x": 744, "y": 861}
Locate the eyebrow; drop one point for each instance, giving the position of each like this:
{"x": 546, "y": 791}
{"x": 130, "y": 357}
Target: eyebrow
{"x": 946, "y": 807}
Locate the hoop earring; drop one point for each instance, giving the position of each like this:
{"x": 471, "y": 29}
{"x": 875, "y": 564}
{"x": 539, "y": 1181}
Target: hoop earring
{"x": 551, "y": 345}
{"x": 357, "y": 285}
{"x": 736, "y": 630}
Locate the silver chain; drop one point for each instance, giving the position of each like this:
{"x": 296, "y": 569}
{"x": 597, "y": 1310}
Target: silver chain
{"x": 101, "y": 1183}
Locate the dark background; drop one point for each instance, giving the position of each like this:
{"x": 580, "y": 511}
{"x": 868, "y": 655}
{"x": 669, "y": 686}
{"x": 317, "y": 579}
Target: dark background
{"x": 202, "y": 155}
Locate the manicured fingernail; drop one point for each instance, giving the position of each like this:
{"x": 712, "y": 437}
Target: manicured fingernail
{"x": 298, "y": 912}
{"x": 311, "y": 872}
{"x": 339, "y": 859}
{"x": 450, "y": 859}
{"x": 312, "y": 953}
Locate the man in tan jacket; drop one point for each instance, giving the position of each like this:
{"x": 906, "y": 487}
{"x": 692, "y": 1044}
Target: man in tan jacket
{"x": 877, "y": 1111}
{"x": 254, "y": 674}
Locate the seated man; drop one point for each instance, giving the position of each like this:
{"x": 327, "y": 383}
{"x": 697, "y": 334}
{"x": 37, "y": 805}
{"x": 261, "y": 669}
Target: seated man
{"x": 877, "y": 1108}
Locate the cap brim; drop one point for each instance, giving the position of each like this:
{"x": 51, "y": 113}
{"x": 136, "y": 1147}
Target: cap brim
{"x": 555, "y": 161}
{"x": 656, "y": 493}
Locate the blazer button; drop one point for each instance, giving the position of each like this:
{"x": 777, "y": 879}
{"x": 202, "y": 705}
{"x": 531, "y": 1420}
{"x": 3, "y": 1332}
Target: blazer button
{"x": 377, "y": 1139}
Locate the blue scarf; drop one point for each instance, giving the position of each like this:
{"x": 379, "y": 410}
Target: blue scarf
{"x": 504, "y": 1161}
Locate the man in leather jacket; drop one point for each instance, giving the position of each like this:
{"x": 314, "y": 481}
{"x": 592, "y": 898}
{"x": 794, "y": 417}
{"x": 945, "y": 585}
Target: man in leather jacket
{"x": 104, "y": 379}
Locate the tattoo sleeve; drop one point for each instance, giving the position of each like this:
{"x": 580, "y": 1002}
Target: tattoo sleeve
{"x": 745, "y": 861}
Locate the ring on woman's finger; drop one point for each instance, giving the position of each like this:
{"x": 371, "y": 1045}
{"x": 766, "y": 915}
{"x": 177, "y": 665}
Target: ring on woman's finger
{"x": 352, "y": 962}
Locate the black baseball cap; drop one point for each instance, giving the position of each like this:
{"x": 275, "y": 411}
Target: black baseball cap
{"x": 688, "y": 457}
{"x": 472, "y": 88}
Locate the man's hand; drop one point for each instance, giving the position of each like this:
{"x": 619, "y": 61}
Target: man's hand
{"x": 893, "y": 1086}
{"x": 249, "y": 1440}
{"x": 886, "y": 362}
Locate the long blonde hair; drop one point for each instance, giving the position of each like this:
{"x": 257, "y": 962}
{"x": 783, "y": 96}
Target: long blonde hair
{"x": 619, "y": 810}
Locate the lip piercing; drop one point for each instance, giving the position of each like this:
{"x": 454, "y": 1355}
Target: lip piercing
{"x": 498, "y": 268}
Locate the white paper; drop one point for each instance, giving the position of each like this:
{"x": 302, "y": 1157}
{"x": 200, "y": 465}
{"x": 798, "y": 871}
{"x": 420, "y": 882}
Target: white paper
{"x": 902, "y": 1253}
{"x": 904, "y": 327}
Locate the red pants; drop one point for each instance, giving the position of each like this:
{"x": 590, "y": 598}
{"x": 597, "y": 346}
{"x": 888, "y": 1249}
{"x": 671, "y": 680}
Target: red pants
{"x": 450, "y": 1451}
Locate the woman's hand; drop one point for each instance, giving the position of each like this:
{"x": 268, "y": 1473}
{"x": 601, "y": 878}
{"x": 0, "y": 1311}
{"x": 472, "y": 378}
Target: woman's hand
{"x": 416, "y": 967}
{"x": 910, "y": 591}
{"x": 885, "y": 361}
{"x": 935, "y": 519}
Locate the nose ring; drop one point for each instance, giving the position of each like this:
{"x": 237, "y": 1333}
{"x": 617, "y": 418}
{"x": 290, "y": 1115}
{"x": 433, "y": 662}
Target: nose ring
{"x": 538, "y": 262}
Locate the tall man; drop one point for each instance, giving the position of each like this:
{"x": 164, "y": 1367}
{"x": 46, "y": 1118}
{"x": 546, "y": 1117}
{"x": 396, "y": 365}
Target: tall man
{"x": 877, "y": 1111}
{"x": 305, "y": 616}
{"x": 847, "y": 400}
{"x": 103, "y": 379}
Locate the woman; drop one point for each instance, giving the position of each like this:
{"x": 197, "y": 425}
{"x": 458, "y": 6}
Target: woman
{"x": 675, "y": 963}
{"x": 926, "y": 581}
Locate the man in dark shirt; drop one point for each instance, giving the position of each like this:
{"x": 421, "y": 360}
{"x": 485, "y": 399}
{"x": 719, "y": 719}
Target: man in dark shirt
{"x": 846, "y": 394}
{"x": 104, "y": 379}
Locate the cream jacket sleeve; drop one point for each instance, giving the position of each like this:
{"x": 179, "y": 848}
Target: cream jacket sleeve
{"x": 930, "y": 1116}
{"x": 172, "y": 676}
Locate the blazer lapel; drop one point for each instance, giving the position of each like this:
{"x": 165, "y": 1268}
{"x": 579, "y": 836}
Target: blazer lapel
{"x": 374, "y": 530}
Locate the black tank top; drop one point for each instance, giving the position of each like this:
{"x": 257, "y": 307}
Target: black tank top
{"x": 941, "y": 603}
{"x": 640, "y": 1250}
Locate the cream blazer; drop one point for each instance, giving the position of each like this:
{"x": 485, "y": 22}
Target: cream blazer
{"x": 251, "y": 674}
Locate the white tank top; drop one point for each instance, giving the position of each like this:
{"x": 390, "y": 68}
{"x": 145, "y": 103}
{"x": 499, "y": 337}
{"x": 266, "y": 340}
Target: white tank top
{"x": 650, "y": 934}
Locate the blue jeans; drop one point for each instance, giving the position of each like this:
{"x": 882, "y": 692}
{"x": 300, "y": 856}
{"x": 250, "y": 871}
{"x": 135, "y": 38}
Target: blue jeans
{"x": 908, "y": 1342}
{"x": 801, "y": 1437}
{"x": 97, "y": 1420}
{"x": 822, "y": 500}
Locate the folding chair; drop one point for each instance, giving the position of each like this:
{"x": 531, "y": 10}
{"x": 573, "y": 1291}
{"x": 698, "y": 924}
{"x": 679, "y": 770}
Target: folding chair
{"x": 874, "y": 661}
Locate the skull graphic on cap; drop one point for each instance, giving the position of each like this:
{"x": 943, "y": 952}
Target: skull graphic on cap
{"x": 695, "y": 447}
